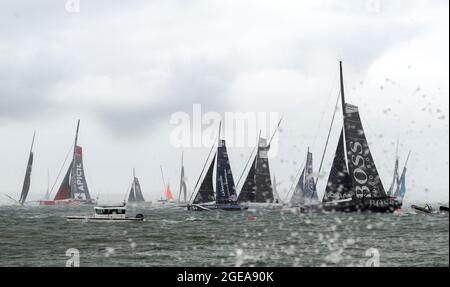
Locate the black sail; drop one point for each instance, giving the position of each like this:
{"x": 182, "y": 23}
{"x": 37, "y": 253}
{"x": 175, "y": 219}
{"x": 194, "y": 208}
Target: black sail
{"x": 366, "y": 182}
{"x": 225, "y": 187}
{"x": 206, "y": 192}
{"x": 183, "y": 187}
{"x": 138, "y": 191}
{"x": 339, "y": 181}
{"x": 27, "y": 180}
{"x": 263, "y": 180}
{"x": 248, "y": 190}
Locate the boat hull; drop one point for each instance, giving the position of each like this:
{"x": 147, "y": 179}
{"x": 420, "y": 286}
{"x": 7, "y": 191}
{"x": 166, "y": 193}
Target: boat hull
{"x": 375, "y": 205}
{"x": 421, "y": 209}
{"x": 208, "y": 207}
{"x": 443, "y": 208}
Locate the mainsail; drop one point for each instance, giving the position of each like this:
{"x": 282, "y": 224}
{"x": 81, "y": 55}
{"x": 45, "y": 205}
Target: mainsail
{"x": 401, "y": 186}
{"x": 225, "y": 187}
{"x": 305, "y": 191}
{"x": 396, "y": 178}
{"x": 258, "y": 184}
{"x": 183, "y": 187}
{"x": 27, "y": 180}
{"x": 74, "y": 185}
{"x": 205, "y": 193}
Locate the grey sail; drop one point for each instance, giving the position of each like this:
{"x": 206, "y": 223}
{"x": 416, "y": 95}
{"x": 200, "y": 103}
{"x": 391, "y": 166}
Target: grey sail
{"x": 27, "y": 180}
{"x": 138, "y": 191}
{"x": 298, "y": 197}
{"x": 305, "y": 191}
{"x": 339, "y": 181}
{"x": 263, "y": 181}
{"x": 183, "y": 187}
{"x": 205, "y": 193}
{"x": 131, "y": 195}
{"x": 248, "y": 191}
{"x": 78, "y": 184}
{"x": 366, "y": 181}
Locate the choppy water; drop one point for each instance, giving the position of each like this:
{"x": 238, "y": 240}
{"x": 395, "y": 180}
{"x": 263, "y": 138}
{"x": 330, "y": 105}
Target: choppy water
{"x": 40, "y": 236}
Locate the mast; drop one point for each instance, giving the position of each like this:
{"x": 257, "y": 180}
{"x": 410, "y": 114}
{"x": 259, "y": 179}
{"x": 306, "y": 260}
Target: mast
{"x": 344, "y": 116}
{"x": 73, "y": 159}
{"x": 273, "y": 135}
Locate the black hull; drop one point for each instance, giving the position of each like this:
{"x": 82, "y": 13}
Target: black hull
{"x": 375, "y": 205}
{"x": 443, "y": 208}
{"x": 209, "y": 207}
{"x": 421, "y": 209}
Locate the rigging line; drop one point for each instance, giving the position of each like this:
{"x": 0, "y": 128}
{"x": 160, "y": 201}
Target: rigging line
{"x": 330, "y": 93}
{"x": 203, "y": 169}
{"x": 246, "y": 165}
{"x": 328, "y": 138}
{"x": 61, "y": 169}
{"x": 296, "y": 178}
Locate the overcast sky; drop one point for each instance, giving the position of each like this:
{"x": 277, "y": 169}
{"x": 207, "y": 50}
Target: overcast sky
{"x": 125, "y": 68}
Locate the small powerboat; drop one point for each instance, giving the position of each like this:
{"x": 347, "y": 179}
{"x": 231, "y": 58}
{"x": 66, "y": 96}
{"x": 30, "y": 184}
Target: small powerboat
{"x": 443, "y": 208}
{"x": 426, "y": 209}
{"x": 113, "y": 213}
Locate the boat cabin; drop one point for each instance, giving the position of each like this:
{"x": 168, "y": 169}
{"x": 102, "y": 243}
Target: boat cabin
{"x": 110, "y": 211}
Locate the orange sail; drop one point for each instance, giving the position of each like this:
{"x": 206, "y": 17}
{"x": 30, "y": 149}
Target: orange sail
{"x": 169, "y": 194}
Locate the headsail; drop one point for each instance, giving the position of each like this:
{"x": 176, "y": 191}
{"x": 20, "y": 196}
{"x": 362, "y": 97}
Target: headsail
{"x": 225, "y": 187}
{"x": 64, "y": 189}
{"x": 206, "y": 191}
{"x": 339, "y": 181}
{"x": 169, "y": 195}
{"x": 131, "y": 195}
{"x": 27, "y": 180}
{"x": 138, "y": 190}
{"x": 305, "y": 191}
{"x": 263, "y": 181}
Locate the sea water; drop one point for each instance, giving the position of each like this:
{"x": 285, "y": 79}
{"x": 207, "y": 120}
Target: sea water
{"x": 40, "y": 236}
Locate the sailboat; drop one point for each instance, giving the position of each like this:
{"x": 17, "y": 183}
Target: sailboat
{"x": 27, "y": 180}
{"x": 168, "y": 196}
{"x": 223, "y": 196}
{"x": 305, "y": 194}
{"x": 354, "y": 183}
{"x": 398, "y": 186}
{"x": 257, "y": 190}
{"x": 135, "y": 194}
{"x": 183, "y": 186}
{"x": 73, "y": 189}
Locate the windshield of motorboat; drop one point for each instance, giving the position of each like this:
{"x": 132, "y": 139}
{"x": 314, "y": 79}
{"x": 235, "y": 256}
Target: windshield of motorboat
{"x": 109, "y": 210}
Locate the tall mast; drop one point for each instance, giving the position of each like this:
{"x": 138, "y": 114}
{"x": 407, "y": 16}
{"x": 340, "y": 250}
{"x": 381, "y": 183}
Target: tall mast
{"x": 343, "y": 111}
{"x": 273, "y": 135}
{"x": 342, "y": 88}
{"x": 32, "y": 142}
{"x": 73, "y": 159}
